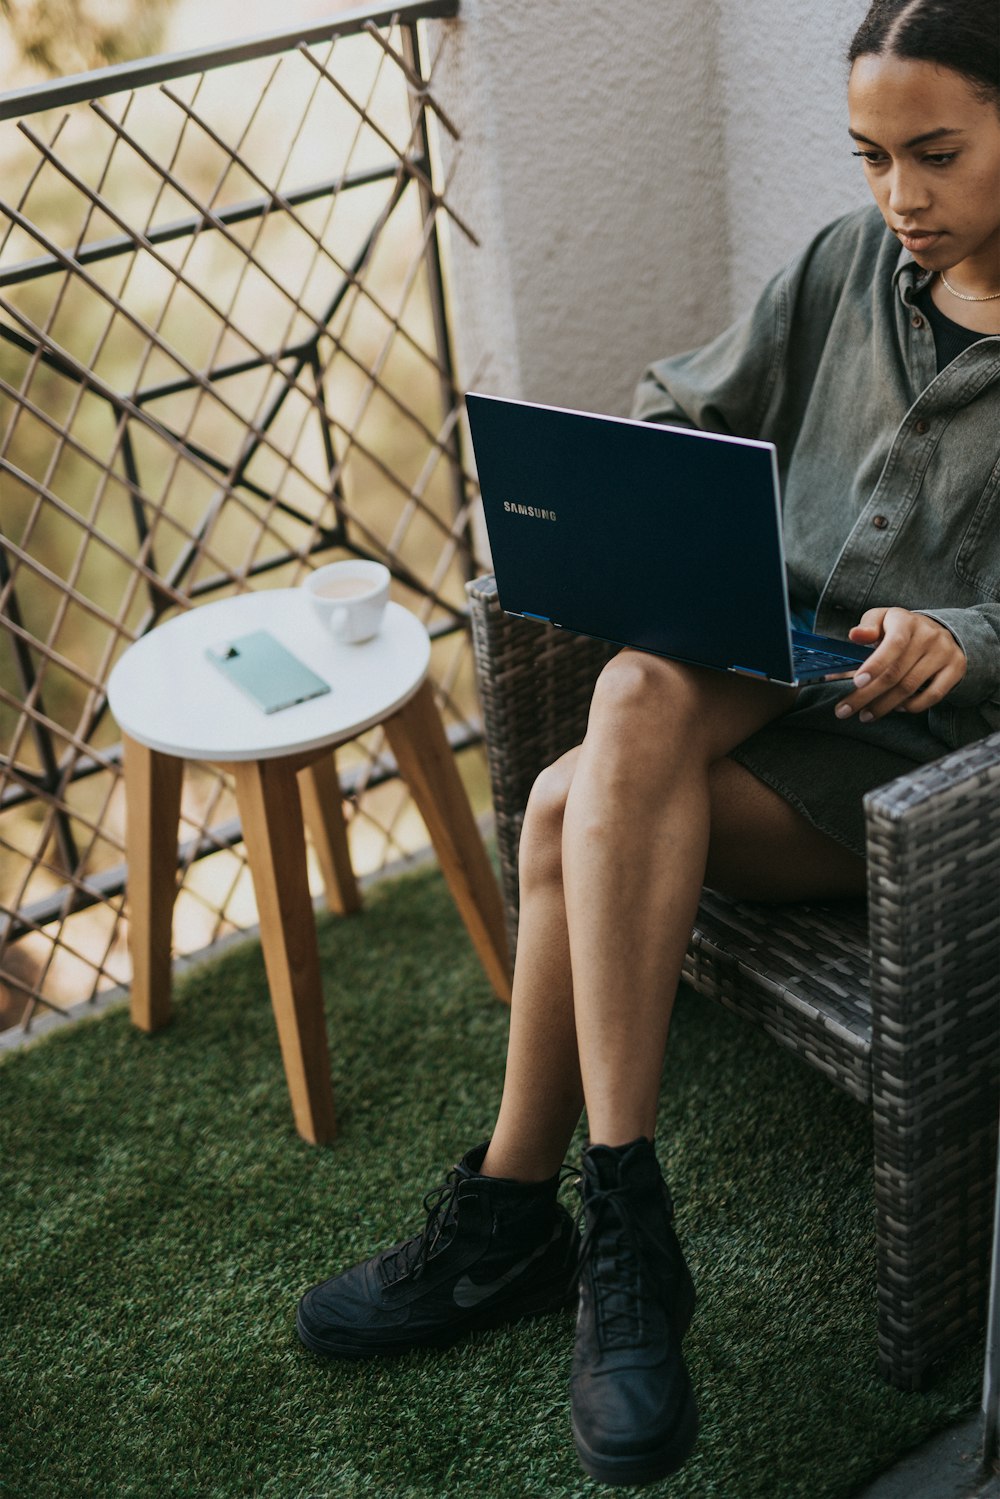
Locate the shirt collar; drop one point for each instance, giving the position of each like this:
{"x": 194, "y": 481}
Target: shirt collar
{"x": 908, "y": 277}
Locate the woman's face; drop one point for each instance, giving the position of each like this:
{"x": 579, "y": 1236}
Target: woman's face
{"x": 931, "y": 152}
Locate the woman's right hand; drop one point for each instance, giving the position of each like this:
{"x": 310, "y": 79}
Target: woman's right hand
{"x": 915, "y": 664}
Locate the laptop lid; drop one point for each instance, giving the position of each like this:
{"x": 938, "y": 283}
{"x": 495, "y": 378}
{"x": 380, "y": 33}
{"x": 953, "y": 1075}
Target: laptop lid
{"x": 657, "y": 537}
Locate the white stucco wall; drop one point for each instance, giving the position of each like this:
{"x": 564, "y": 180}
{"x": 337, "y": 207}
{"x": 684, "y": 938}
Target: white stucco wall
{"x": 789, "y": 169}
{"x": 635, "y": 169}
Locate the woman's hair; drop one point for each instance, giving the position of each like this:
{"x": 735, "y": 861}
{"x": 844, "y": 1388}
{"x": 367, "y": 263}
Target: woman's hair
{"x": 963, "y": 35}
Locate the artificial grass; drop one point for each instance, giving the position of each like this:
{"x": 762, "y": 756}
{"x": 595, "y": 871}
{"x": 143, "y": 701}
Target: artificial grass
{"x": 159, "y": 1218}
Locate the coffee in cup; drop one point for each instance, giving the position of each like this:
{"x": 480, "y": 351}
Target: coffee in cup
{"x": 342, "y": 588}
{"x": 350, "y": 598}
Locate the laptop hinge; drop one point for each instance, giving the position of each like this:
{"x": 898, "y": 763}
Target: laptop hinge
{"x": 748, "y": 671}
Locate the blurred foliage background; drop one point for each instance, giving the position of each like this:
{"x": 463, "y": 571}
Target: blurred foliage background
{"x": 58, "y": 37}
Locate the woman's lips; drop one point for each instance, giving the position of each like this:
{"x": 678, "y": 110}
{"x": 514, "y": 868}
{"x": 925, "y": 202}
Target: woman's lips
{"x": 917, "y": 240}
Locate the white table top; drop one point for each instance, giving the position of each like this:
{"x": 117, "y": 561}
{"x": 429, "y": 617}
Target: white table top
{"x": 167, "y": 695}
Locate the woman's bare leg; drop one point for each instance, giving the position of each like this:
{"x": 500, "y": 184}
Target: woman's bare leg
{"x": 619, "y": 832}
{"x": 543, "y": 1094}
{"x": 762, "y": 849}
{"x": 635, "y": 846}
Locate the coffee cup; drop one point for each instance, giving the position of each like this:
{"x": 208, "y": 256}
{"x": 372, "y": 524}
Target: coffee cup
{"x": 350, "y": 598}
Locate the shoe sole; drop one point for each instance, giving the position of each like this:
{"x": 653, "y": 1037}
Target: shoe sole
{"x": 671, "y": 1454}
{"x": 342, "y": 1344}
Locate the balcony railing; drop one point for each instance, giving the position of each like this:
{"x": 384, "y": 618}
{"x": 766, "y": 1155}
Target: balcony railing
{"x": 224, "y": 358}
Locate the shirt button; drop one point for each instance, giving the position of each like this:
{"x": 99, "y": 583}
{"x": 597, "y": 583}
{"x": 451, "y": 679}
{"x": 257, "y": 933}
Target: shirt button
{"x": 918, "y": 321}
{"x": 921, "y": 427}
{"x": 880, "y": 522}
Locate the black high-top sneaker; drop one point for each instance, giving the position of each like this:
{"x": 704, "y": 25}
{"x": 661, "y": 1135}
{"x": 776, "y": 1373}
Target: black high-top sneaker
{"x": 634, "y": 1413}
{"x": 491, "y": 1251}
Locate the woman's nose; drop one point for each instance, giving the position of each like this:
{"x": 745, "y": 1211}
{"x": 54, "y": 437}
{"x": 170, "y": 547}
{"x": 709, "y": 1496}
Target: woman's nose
{"x": 908, "y": 193}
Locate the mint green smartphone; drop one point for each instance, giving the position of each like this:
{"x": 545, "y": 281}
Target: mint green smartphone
{"x": 268, "y": 673}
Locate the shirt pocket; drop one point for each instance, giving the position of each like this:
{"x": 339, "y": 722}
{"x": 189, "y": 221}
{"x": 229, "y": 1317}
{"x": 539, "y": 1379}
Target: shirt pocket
{"x": 978, "y": 559}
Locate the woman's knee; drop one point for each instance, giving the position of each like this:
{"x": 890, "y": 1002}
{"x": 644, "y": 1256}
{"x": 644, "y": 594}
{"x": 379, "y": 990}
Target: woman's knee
{"x": 540, "y": 853}
{"x": 642, "y": 699}
{"x": 674, "y": 711}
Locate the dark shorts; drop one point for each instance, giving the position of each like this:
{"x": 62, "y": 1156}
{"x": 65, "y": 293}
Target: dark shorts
{"x": 824, "y": 765}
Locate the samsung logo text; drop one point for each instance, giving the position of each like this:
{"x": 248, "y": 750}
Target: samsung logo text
{"x": 535, "y": 511}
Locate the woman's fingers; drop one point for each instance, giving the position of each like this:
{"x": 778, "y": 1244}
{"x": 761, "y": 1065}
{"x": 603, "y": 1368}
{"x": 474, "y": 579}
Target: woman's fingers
{"x": 869, "y": 627}
{"x": 915, "y": 665}
{"x": 936, "y": 690}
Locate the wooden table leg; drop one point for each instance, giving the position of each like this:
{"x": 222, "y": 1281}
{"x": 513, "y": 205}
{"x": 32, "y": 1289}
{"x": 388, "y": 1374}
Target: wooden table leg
{"x": 267, "y": 792}
{"x": 427, "y": 764}
{"x": 322, "y": 807}
{"x": 152, "y": 812}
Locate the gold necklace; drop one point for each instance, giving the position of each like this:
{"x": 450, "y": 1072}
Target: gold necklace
{"x": 962, "y": 296}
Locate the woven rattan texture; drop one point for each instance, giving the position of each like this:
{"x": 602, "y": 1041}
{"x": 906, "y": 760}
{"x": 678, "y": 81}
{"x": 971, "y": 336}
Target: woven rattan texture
{"x": 934, "y": 872}
{"x": 800, "y": 972}
{"x": 898, "y": 1005}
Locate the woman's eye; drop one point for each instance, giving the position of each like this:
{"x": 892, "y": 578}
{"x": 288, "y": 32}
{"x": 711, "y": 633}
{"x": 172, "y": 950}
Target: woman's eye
{"x": 932, "y": 159}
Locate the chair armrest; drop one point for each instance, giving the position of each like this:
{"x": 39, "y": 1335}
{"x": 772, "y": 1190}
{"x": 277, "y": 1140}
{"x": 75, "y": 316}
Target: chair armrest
{"x": 535, "y": 684}
{"x": 934, "y": 912}
{"x": 934, "y": 898}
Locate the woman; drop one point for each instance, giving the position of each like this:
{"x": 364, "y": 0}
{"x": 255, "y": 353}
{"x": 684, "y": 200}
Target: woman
{"x": 873, "y": 363}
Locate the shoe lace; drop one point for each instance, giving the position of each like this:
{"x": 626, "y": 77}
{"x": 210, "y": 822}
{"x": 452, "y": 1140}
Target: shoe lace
{"x": 613, "y": 1240}
{"x": 440, "y": 1204}
{"x": 410, "y": 1258}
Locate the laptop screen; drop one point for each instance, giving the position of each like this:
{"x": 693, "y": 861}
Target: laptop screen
{"x": 657, "y": 537}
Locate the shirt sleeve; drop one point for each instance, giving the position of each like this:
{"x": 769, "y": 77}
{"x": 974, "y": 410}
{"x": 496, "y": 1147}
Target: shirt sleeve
{"x": 977, "y": 630}
{"x": 725, "y": 386}
{"x": 754, "y": 379}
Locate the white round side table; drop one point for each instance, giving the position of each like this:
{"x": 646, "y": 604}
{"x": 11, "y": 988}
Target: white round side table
{"x": 173, "y": 704}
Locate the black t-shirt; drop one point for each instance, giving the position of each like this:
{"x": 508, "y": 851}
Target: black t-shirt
{"x": 950, "y": 339}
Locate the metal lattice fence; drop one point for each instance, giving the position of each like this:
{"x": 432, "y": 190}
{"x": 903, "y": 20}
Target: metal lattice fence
{"x": 224, "y": 359}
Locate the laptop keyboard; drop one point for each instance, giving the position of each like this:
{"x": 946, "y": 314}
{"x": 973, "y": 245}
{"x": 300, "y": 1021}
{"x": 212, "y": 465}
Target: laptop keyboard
{"x": 806, "y": 658}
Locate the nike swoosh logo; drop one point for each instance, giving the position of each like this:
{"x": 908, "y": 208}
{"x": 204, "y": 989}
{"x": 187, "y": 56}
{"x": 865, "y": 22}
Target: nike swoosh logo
{"x": 469, "y": 1293}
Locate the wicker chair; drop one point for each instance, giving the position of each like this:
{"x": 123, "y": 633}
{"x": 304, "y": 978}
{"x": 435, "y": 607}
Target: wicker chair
{"x": 897, "y": 1003}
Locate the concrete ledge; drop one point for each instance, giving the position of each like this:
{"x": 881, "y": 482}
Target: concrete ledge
{"x": 947, "y": 1466}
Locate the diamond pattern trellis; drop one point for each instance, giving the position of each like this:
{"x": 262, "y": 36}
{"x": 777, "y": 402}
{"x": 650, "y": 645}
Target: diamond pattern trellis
{"x": 223, "y": 359}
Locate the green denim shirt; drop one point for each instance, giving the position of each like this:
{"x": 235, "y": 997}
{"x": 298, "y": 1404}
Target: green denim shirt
{"x": 890, "y": 472}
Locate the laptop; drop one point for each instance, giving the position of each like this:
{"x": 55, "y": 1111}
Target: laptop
{"x": 661, "y": 538}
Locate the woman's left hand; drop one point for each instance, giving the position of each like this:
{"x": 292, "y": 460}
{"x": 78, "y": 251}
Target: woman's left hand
{"x": 914, "y": 666}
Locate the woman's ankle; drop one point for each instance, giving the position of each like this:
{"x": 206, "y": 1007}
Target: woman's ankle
{"x": 519, "y": 1164}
